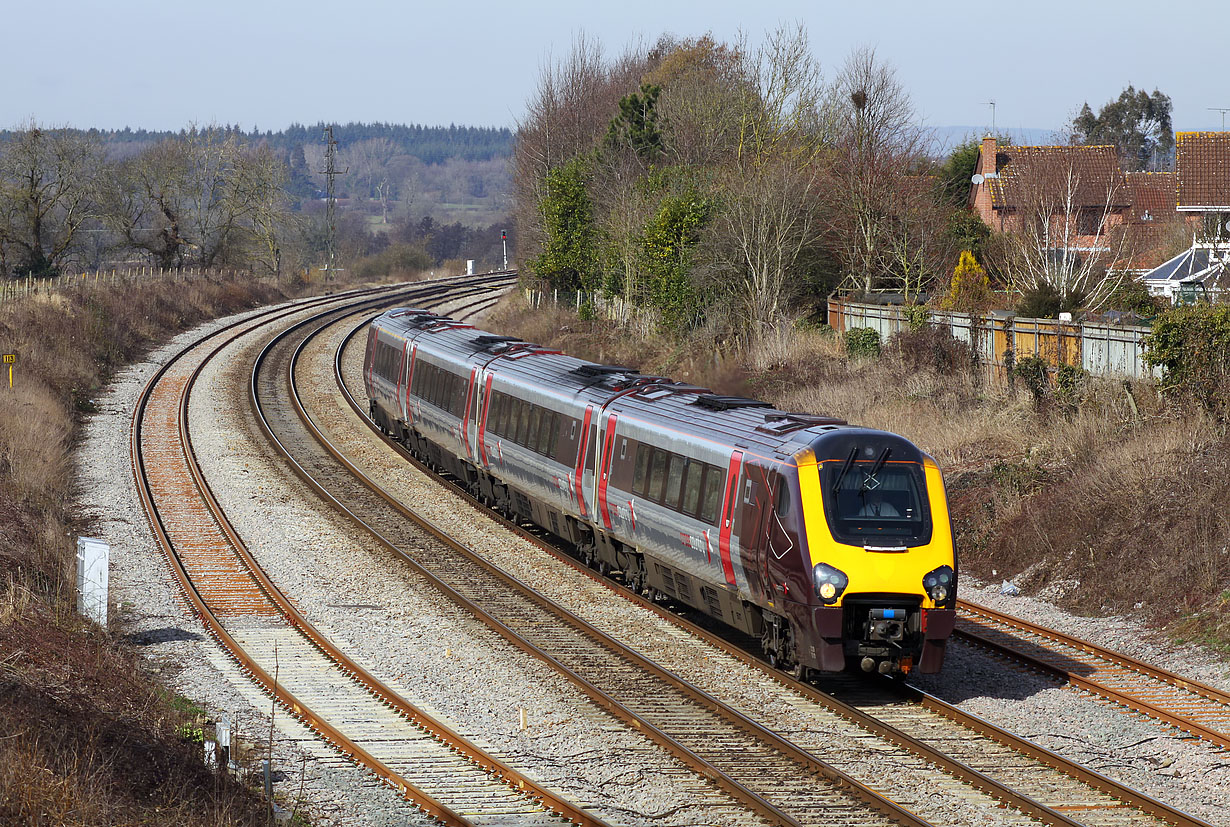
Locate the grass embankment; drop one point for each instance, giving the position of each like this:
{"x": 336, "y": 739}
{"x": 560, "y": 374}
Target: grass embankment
{"x": 86, "y": 737}
{"x": 1106, "y": 499}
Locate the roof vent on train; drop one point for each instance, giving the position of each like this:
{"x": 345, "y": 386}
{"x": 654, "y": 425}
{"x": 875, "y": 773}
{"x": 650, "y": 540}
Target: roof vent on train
{"x": 715, "y": 402}
{"x": 784, "y": 423}
{"x": 491, "y": 344}
{"x": 590, "y": 370}
{"x": 665, "y": 389}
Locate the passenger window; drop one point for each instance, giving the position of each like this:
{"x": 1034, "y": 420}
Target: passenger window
{"x": 657, "y": 476}
{"x": 523, "y": 422}
{"x": 640, "y": 476}
{"x": 711, "y": 500}
{"x": 674, "y": 482}
{"x": 693, "y": 473}
{"x": 531, "y": 435}
{"x": 544, "y": 432}
{"x": 591, "y": 448}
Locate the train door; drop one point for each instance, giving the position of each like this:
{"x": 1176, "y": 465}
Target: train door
{"x": 784, "y": 554}
{"x": 753, "y": 527}
{"x": 726, "y": 524}
{"x": 408, "y": 410}
{"x": 469, "y": 417}
{"x": 584, "y": 451}
{"x": 483, "y": 390}
{"x": 607, "y": 444}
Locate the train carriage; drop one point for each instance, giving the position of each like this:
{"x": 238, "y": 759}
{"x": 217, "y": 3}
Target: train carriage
{"x": 830, "y": 543}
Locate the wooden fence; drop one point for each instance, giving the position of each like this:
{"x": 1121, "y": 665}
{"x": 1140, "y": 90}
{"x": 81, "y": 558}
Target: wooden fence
{"x": 1101, "y": 349}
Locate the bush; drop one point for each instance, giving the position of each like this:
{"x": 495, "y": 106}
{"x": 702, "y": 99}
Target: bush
{"x": 1192, "y": 345}
{"x": 1034, "y": 372}
{"x": 932, "y": 348}
{"x": 1044, "y": 302}
{"x": 399, "y": 259}
{"x": 970, "y": 288}
{"x": 862, "y": 342}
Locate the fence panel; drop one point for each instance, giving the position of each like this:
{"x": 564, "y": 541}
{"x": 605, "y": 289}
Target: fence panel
{"x": 1101, "y": 349}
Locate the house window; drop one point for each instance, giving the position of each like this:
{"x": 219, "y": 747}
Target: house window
{"x": 1089, "y": 222}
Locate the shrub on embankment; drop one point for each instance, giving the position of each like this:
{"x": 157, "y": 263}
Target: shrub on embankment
{"x": 85, "y": 736}
{"x": 1103, "y": 495}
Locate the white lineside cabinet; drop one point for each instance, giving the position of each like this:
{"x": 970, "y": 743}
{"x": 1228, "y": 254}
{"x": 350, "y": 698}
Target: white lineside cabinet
{"x": 92, "y": 557}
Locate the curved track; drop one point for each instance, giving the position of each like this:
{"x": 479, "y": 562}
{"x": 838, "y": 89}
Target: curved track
{"x": 761, "y": 771}
{"x": 1041, "y": 783}
{"x": 446, "y": 776}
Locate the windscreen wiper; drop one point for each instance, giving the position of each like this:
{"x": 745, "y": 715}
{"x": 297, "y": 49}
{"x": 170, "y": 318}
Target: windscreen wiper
{"x": 845, "y": 469}
{"x": 875, "y": 469}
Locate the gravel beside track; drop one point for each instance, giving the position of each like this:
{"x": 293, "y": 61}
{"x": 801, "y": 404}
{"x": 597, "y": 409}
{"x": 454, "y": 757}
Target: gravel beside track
{"x": 426, "y": 649}
{"x": 1131, "y": 748}
{"x": 149, "y": 612}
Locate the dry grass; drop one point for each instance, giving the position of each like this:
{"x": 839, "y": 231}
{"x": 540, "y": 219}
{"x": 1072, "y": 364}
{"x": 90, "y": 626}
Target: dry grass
{"x": 1121, "y": 503}
{"x": 85, "y": 738}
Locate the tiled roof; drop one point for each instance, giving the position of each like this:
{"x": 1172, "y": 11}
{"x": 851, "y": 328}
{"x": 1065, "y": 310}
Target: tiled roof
{"x": 1202, "y": 166}
{"x": 1044, "y": 170}
{"x": 1152, "y": 194}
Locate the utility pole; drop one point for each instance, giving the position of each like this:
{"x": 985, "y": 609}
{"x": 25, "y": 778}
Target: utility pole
{"x": 330, "y": 172}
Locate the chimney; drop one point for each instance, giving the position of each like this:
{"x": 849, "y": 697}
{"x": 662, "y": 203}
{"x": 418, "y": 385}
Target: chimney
{"x": 987, "y": 158}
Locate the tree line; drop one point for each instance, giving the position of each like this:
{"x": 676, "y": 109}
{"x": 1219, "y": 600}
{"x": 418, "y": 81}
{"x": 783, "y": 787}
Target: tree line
{"x": 217, "y": 196}
{"x": 728, "y": 188}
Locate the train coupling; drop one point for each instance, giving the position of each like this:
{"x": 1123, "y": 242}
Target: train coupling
{"x": 886, "y": 624}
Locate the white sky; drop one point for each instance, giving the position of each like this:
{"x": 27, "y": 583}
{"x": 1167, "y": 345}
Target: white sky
{"x": 162, "y": 64}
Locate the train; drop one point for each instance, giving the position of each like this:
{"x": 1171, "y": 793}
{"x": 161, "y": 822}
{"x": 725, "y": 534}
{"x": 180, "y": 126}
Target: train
{"x": 829, "y": 543}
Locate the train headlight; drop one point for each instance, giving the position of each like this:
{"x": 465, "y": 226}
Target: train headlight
{"x": 940, "y": 584}
{"x": 830, "y": 582}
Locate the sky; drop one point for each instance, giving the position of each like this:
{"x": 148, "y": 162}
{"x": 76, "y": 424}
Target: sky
{"x": 165, "y": 64}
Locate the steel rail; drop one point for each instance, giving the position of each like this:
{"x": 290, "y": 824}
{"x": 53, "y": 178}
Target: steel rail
{"x": 729, "y": 785}
{"x": 443, "y": 732}
{"x": 736, "y": 718}
{"x": 210, "y": 620}
{"x": 972, "y": 776}
{"x": 1090, "y": 684}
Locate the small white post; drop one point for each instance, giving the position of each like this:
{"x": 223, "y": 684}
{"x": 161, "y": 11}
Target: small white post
{"x": 92, "y": 557}
{"x": 469, "y": 266}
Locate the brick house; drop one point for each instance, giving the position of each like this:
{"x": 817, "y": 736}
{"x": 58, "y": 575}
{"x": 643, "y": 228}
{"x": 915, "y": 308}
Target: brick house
{"x": 1079, "y": 192}
{"x": 1202, "y": 199}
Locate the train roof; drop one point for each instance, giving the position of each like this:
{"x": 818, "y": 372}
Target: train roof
{"x": 747, "y": 423}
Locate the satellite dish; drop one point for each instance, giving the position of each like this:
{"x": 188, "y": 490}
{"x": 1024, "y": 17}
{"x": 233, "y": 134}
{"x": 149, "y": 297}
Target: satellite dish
{"x": 1228, "y": 225}
{"x": 977, "y": 179}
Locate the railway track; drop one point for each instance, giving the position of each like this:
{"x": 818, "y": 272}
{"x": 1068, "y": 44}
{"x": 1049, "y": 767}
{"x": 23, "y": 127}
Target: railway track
{"x": 1039, "y": 782}
{"x": 1188, "y": 705}
{"x": 446, "y": 776}
{"x": 1105, "y": 809}
{"x": 765, "y": 774}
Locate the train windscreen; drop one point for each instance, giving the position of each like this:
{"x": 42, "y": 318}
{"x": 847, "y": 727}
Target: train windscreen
{"x": 876, "y": 502}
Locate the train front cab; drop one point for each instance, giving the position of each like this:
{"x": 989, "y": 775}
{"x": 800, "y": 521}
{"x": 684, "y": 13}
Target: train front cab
{"x": 881, "y": 591}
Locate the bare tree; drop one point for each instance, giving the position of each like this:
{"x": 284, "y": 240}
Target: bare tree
{"x": 203, "y": 198}
{"x": 46, "y": 194}
{"x": 872, "y": 216}
{"x": 1065, "y": 229}
{"x": 770, "y": 215}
